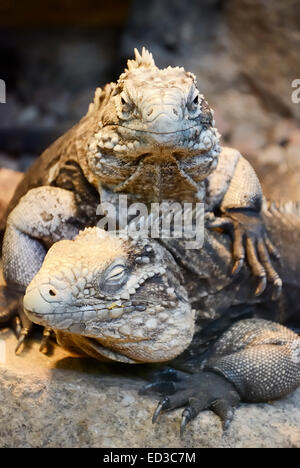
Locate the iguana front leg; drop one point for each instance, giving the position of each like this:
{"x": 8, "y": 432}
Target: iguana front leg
{"x": 239, "y": 213}
{"x": 254, "y": 361}
{"x": 43, "y": 216}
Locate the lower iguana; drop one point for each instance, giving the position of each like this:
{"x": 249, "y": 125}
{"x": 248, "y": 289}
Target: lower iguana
{"x": 143, "y": 300}
{"x": 150, "y": 135}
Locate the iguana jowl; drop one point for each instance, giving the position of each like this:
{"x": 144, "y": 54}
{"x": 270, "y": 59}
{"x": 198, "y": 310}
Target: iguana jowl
{"x": 150, "y": 135}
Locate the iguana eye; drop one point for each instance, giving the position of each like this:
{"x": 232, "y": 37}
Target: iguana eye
{"x": 113, "y": 278}
{"x": 116, "y": 273}
{"x": 125, "y": 107}
{"x": 193, "y": 104}
{"x": 123, "y": 97}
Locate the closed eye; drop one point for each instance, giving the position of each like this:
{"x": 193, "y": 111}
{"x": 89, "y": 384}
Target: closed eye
{"x": 116, "y": 273}
{"x": 114, "y": 277}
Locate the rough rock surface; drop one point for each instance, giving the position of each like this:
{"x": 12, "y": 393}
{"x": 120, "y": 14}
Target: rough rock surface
{"x": 266, "y": 36}
{"x": 60, "y": 401}
{"x": 278, "y": 164}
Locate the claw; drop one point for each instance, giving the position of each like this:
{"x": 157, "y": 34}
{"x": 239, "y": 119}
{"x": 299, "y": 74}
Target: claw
{"x": 17, "y": 326}
{"x": 44, "y": 346}
{"x": 261, "y": 286}
{"x": 22, "y": 337}
{"x": 185, "y": 419}
{"x": 225, "y": 409}
{"x": 162, "y": 405}
{"x": 238, "y": 265}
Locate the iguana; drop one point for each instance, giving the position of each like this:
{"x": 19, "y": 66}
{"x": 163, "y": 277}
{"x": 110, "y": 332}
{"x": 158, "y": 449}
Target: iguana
{"x": 152, "y": 136}
{"x": 143, "y": 300}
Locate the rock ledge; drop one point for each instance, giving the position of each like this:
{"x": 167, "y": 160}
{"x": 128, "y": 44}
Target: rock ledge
{"x": 59, "y": 401}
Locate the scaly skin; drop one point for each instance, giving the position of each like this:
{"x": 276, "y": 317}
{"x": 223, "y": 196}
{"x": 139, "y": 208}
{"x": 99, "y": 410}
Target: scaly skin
{"x": 124, "y": 300}
{"x": 151, "y": 135}
{"x": 87, "y": 283}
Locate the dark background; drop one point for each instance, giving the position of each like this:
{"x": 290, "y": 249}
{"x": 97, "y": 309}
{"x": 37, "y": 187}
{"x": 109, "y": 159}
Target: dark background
{"x": 245, "y": 53}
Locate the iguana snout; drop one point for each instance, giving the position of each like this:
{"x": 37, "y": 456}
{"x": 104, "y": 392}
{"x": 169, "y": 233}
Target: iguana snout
{"x": 42, "y": 298}
{"x": 126, "y": 294}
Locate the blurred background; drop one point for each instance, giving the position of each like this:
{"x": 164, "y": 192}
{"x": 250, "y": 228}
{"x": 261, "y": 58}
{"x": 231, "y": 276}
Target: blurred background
{"x": 245, "y": 54}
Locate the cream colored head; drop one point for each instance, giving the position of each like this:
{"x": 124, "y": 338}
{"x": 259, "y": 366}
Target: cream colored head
{"x": 125, "y": 294}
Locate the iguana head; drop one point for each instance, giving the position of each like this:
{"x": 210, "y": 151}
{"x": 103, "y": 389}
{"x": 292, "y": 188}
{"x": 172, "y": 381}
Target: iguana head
{"x": 156, "y": 133}
{"x": 124, "y": 294}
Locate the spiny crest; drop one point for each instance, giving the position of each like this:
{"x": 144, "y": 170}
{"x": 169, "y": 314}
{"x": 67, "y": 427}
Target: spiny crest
{"x": 91, "y": 233}
{"x": 96, "y": 104}
{"x": 102, "y": 245}
{"x": 95, "y": 234}
{"x": 285, "y": 207}
{"x": 101, "y": 97}
{"x": 141, "y": 60}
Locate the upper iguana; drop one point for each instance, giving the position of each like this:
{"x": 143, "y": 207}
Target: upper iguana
{"x": 143, "y": 300}
{"x": 150, "y": 135}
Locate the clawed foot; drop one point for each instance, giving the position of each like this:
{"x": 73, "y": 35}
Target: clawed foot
{"x": 46, "y": 344}
{"x": 24, "y": 332}
{"x": 197, "y": 392}
{"x": 250, "y": 241}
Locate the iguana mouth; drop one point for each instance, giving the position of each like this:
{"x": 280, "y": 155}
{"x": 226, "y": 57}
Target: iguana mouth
{"x": 121, "y": 138}
{"x": 95, "y": 349}
{"x": 145, "y": 132}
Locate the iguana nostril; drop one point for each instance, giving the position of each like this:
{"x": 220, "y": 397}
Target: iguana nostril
{"x": 52, "y": 292}
{"x": 175, "y": 111}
